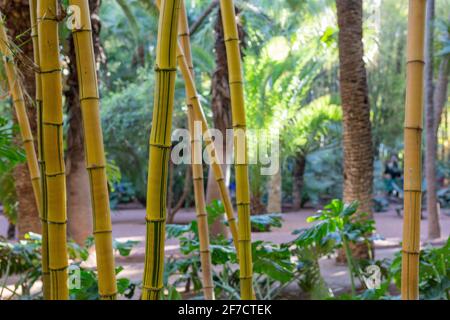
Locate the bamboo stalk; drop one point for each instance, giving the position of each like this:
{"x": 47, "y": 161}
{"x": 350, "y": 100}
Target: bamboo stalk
{"x": 17, "y": 95}
{"x": 159, "y": 153}
{"x": 43, "y": 202}
{"x": 413, "y": 154}
{"x": 231, "y": 39}
{"x": 53, "y": 152}
{"x": 200, "y": 116}
{"x": 19, "y": 106}
{"x": 196, "y": 155}
{"x": 95, "y": 154}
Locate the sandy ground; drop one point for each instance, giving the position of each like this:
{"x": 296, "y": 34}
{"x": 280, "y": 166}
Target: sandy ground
{"x": 130, "y": 225}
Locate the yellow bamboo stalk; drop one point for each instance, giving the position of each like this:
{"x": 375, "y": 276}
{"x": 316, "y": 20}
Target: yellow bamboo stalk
{"x": 53, "y": 152}
{"x": 413, "y": 152}
{"x": 19, "y": 106}
{"x": 200, "y": 116}
{"x": 43, "y": 204}
{"x": 95, "y": 154}
{"x": 160, "y": 143}
{"x": 235, "y": 80}
{"x": 28, "y": 143}
{"x": 196, "y": 157}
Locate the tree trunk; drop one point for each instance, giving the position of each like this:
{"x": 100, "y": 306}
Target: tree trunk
{"x": 434, "y": 230}
{"x": 79, "y": 210}
{"x": 357, "y": 137}
{"x": 18, "y": 25}
{"x": 275, "y": 194}
{"x": 221, "y": 109}
{"x": 297, "y": 184}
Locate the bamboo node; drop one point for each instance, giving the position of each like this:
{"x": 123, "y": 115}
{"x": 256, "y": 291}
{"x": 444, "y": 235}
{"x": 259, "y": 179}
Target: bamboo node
{"x": 56, "y": 222}
{"x": 411, "y": 252}
{"x": 57, "y": 269}
{"x": 81, "y": 30}
{"x": 236, "y": 82}
{"x": 149, "y": 288}
{"x": 95, "y": 167}
{"x": 51, "y": 71}
{"x": 158, "y": 69}
{"x": 152, "y": 220}
{"x": 160, "y": 145}
{"x": 89, "y": 98}
{"x": 102, "y": 231}
{"x": 52, "y": 175}
{"x": 243, "y": 203}
{"x": 413, "y": 128}
{"x": 197, "y": 179}
{"x": 415, "y": 61}
{"x": 413, "y": 190}
{"x": 230, "y": 39}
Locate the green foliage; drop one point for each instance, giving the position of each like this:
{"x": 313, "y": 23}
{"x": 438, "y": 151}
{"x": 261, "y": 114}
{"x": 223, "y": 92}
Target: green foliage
{"x": 10, "y": 154}
{"x": 434, "y": 272}
{"x": 22, "y": 260}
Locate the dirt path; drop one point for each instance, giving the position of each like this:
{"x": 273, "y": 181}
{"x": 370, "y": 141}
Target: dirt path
{"x": 130, "y": 225}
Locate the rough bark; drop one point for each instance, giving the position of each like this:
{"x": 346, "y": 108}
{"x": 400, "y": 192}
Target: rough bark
{"x": 357, "y": 137}
{"x": 275, "y": 194}
{"x": 18, "y": 25}
{"x": 221, "y": 109}
{"x": 79, "y": 209}
{"x": 440, "y": 92}
{"x": 297, "y": 184}
{"x": 434, "y": 230}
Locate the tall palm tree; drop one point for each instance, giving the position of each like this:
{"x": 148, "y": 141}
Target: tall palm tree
{"x": 18, "y": 26}
{"x": 434, "y": 230}
{"x": 357, "y": 137}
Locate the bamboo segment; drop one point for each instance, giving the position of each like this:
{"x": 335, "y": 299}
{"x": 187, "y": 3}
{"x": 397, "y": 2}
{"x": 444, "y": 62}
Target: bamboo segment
{"x": 231, "y": 39}
{"x": 196, "y": 156}
{"x": 413, "y": 154}
{"x": 26, "y": 134}
{"x": 199, "y": 116}
{"x": 53, "y": 152}
{"x": 43, "y": 202}
{"x": 95, "y": 155}
{"x": 160, "y": 144}
{"x": 22, "y": 118}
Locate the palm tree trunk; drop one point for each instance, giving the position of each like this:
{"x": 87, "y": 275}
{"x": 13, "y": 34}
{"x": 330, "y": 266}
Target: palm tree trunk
{"x": 18, "y": 26}
{"x": 297, "y": 183}
{"x": 434, "y": 230}
{"x": 221, "y": 110}
{"x": 78, "y": 197}
{"x": 413, "y": 152}
{"x": 357, "y": 137}
{"x": 275, "y": 195}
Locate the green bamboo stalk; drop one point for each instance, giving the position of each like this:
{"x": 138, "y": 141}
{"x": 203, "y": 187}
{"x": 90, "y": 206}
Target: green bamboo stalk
{"x": 160, "y": 144}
